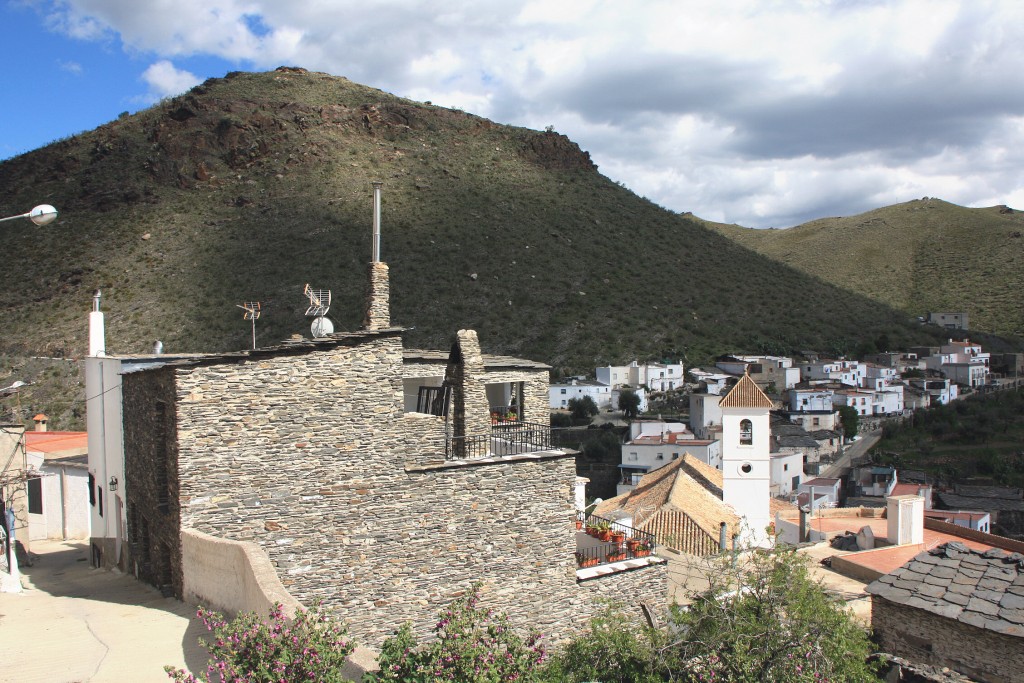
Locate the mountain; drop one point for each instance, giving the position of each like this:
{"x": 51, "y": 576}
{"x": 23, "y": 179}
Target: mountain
{"x": 250, "y": 186}
{"x": 920, "y": 256}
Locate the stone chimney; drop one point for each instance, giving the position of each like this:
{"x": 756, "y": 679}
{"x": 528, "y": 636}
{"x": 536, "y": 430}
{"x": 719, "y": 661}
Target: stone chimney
{"x": 471, "y": 414}
{"x": 904, "y": 520}
{"x": 41, "y": 421}
{"x": 378, "y": 298}
{"x": 378, "y": 295}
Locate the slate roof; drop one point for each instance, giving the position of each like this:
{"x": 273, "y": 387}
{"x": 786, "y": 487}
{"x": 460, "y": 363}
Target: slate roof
{"x": 981, "y": 588}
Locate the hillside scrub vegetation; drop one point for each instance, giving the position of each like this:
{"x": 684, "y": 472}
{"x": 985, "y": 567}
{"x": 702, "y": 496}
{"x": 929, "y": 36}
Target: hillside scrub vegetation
{"x": 979, "y": 437}
{"x": 911, "y": 256}
{"x": 248, "y": 187}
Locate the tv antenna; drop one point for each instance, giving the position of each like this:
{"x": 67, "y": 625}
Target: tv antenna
{"x": 319, "y": 303}
{"x": 252, "y": 312}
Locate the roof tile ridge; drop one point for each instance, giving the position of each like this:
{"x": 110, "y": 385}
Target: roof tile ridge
{"x": 699, "y": 477}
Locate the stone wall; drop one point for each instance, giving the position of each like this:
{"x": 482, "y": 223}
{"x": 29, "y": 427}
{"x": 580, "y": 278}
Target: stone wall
{"x": 921, "y": 636}
{"x": 310, "y": 455}
{"x": 230, "y": 576}
{"x": 153, "y": 551}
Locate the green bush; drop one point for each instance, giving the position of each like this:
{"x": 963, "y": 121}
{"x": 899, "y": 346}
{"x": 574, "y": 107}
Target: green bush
{"x": 313, "y": 647}
{"x": 472, "y": 645}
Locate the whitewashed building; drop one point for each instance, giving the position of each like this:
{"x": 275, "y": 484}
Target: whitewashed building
{"x": 561, "y": 394}
{"x": 653, "y": 376}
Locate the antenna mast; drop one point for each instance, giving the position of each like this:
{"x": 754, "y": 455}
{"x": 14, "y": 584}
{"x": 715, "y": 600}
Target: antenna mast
{"x": 252, "y": 312}
{"x": 319, "y": 303}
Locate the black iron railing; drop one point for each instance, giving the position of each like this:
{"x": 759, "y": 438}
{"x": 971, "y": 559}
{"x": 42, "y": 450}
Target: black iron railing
{"x": 505, "y": 438}
{"x": 615, "y": 542}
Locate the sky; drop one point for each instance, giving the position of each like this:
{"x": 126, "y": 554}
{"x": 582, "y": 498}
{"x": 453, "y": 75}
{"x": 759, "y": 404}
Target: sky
{"x": 766, "y": 113}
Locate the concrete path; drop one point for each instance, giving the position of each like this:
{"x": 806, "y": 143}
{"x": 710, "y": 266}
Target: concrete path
{"x": 73, "y": 623}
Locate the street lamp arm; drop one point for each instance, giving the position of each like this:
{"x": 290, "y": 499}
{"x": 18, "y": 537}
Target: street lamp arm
{"x": 43, "y": 214}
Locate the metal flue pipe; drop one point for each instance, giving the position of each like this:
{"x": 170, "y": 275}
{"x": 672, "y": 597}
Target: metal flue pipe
{"x": 376, "y": 221}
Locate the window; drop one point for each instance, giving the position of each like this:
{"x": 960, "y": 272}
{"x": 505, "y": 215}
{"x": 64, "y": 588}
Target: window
{"x": 563, "y": 391}
{"x": 92, "y": 490}
{"x": 632, "y": 455}
{"x": 746, "y": 433}
{"x": 675, "y": 456}
{"x": 99, "y": 500}
{"x": 35, "y": 496}
{"x": 661, "y": 456}
{"x": 817, "y": 421}
{"x": 785, "y": 467}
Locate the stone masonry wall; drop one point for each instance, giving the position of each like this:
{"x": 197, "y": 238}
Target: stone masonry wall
{"x": 311, "y": 456}
{"x": 920, "y": 636}
{"x": 151, "y": 487}
{"x": 378, "y": 297}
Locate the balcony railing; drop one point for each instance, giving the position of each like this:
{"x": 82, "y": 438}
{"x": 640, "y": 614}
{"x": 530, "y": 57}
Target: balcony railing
{"x": 505, "y": 438}
{"x": 613, "y": 542}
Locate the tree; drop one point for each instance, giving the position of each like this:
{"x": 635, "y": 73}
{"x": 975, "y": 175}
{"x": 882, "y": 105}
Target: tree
{"x": 850, "y": 419}
{"x": 629, "y": 403}
{"x": 582, "y": 408}
{"x": 764, "y": 619}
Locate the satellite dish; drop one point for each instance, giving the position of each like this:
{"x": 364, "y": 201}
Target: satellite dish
{"x": 321, "y": 327}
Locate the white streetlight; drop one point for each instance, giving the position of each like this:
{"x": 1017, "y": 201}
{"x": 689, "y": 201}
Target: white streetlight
{"x": 41, "y": 215}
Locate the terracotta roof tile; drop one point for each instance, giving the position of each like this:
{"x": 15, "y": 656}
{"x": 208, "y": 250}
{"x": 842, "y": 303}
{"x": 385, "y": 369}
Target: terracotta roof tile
{"x": 746, "y": 394}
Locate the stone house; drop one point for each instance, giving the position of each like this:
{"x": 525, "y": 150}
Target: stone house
{"x": 380, "y": 480}
{"x": 956, "y": 607}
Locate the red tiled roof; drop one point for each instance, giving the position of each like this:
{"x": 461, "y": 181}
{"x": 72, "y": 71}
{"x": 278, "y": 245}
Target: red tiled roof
{"x": 746, "y": 394}
{"x": 55, "y": 442}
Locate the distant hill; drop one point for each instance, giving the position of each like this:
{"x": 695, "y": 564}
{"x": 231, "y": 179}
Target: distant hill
{"x": 250, "y": 186}
{"x": 920, "y": 256}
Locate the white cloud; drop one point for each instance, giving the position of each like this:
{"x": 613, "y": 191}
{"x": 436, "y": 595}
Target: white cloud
{"x": 765, "y": 113}
{"x": 70, "y": 67}
{"x": 165, "y": 80}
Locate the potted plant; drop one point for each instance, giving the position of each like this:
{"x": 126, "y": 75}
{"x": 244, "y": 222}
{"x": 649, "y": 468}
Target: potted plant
{"x": 604, "y": 531}
{"x": 632, "y": 544}
{"x": 616, "y": 556}
{"x": 643, "y": 549}
{"x": 618, "y": 536}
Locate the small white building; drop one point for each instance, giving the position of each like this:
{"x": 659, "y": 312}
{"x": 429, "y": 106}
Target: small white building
{"x": 653, "y": 376}
{"x": 705, "y": 414}
{"x": 58, "y": 498}
{"x": 814, "y": 399}
{"x": 715, "y": 383}
{"x": 561, "y": 394}
{"x": 787, "y": 472}
{"x": 819, "y": 492}
{"x": 962, "y": 362}
{"x": 847, "y": 372}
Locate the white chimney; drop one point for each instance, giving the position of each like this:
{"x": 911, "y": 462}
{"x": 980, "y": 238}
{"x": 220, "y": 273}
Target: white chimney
{"x": 904, "y": 520}
{"x": 97, "y": 343}
{"x": 579, "y": 493}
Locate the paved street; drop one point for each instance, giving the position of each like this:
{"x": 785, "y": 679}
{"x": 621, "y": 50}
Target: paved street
{"x": 73, "y": 623}
{"x": 859, "y": 448}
